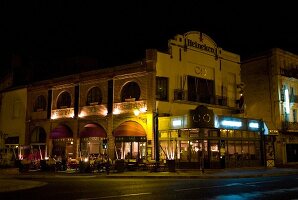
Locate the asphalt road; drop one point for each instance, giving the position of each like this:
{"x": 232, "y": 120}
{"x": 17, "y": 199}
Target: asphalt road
{"x": 92, "y": 188}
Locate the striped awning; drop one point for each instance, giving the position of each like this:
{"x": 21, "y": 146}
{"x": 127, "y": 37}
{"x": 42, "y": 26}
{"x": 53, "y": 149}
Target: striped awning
{"x": 60, "y": 132}
{"x": 129, "y": 128}
{"x": 93, "y": 130}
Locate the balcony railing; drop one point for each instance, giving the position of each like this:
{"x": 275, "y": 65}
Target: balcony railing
{"x": 130, "y": 106}
{"x": 100, "y": 110}
{"x": 182, "y": 95}
{"x": 290, "y": 125}
{"x": 62, "y": 113}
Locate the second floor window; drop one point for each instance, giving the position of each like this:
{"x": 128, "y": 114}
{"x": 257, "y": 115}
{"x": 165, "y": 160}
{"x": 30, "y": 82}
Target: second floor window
{"x": 40, "y": 104}
{"x": 130, "y": 90}
{"x": 200, "y": 90}
{"x": 162, "y": 88}
{"x": 94, "y": 96}
{"x": 64, "y": 100}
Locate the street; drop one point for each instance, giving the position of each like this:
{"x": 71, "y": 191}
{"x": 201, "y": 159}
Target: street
{"x": 92, "y": 188}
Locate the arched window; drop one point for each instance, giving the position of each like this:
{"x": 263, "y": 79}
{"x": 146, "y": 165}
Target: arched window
{"x": 130, "y": 90}
{"x": 38, "y": 135}
{"x": 40, "y": 104}
{"x": 64, "y": 100}
{"x": 94, "y": 96}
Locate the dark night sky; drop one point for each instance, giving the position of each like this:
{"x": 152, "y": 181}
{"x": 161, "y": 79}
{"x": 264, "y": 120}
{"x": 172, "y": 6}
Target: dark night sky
{"x": 118, "y": 32}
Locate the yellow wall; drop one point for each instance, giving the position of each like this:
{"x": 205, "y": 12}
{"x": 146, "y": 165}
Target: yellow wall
{"x": 219, "y": 65}
{"x": 13, "y": 113}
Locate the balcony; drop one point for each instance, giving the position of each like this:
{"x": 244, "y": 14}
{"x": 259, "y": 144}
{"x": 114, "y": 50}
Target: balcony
{"x": 62, "y": 113}
{"x": 130, "y": 106}
{"x": 290, "y": 125}
{"x": 99, "y": 110}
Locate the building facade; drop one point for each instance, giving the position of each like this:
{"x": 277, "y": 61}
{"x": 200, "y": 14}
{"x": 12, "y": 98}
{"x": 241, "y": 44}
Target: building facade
{"x": 12, "y": 123}
{"x": 271, "y": 86}
{"x": 100, "y": 113}
{"x": 184, "y": 105}
{"x": 200, "y": 106}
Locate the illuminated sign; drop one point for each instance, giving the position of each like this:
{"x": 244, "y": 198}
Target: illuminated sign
{"x": 177, "y": 123}
{"x": 231, "y": 123}
{"x": 197, "y": 45}
{"x": 253, "y": 125}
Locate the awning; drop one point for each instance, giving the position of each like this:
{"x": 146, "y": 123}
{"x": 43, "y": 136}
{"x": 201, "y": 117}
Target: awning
{"x": 129, "y": 128}
{"x": 61, "y": 131}
{"x": 93, "y": 130}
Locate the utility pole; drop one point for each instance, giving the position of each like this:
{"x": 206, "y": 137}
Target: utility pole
{"x": 156, "y": 142}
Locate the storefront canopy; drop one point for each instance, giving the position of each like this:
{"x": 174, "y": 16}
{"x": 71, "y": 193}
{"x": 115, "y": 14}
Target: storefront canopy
{"x": 93, "y": 130}
{"x": 129, "y": 128}
{"x": 60, "y": 132}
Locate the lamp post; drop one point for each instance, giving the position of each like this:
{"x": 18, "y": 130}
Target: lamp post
{"x": 156, "y": 142}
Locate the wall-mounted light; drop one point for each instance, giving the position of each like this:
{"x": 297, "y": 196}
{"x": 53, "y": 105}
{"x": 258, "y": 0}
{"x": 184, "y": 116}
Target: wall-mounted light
{"x": 136, "y": 112}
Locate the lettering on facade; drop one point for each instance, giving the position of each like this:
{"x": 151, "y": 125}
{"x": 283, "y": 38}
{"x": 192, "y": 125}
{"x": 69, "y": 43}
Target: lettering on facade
{"x": 201, "y": 71}
{"x": 197, "y": 45}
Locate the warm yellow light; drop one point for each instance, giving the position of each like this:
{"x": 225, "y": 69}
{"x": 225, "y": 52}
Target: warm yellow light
{"x": 82, "y": 114}
{"x": 105, "y": 112}
{"x": 143, "y": 109}
{"x": 116, "y": 111}
{"x": 54, "y": 116}
{"x": 136, "y": 112}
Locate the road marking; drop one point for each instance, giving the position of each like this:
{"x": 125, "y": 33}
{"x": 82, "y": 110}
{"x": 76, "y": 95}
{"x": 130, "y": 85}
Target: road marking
{"x": 260, "y": 182}
{"x": 216, "y": 186}
{"x": 115, "y": 196}
{"x": 227, "y": 185}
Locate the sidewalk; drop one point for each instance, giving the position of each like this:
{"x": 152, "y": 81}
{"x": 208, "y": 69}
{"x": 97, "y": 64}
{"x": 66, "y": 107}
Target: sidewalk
{"x": 11, "y": 181}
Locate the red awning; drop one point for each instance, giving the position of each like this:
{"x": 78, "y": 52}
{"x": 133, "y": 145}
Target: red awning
{"x": 93, "y": 130}
{"x": 129, "y": 128}
{"x": 61, "y": 131}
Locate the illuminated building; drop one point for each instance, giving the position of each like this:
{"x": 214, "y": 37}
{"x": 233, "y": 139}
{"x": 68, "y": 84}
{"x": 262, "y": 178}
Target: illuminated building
{"x": 185, "y": 104}
{"x": 13, "y": 120}
{"x": 200, "y": 106}
{"x": 271, "y": 88}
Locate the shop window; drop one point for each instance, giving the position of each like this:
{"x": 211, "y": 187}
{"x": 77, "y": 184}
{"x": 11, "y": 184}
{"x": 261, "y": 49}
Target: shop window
{"x": 94, "y": 96}
{"x": 162, "y": 85}
{"x": 64, "y": 100}
{"x": 184, "y": 151}
{"x": 40, "y": 104}
{"x": 130, "y": 150}
{"x": 130, "y": 91}
{"x": 195, "y": 151}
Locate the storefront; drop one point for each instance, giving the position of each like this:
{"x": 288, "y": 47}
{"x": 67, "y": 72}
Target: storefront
{"x": 204, "y": 140}
{"x": 93, "y": 141}
{"x": 38, "y": 148}
{"x": 130, "y": 141}
{"x": 62, "y": 142}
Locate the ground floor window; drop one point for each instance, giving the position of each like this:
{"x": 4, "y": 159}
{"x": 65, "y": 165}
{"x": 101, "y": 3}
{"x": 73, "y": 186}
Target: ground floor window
{"x": 63, "y": 148}
{"x": 92, "y": 146}
{"x": 211, "y": 148}
{"x": 130, "y": 147}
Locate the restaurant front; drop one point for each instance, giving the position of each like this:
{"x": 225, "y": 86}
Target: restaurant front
{"x": 201, "y": 139}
